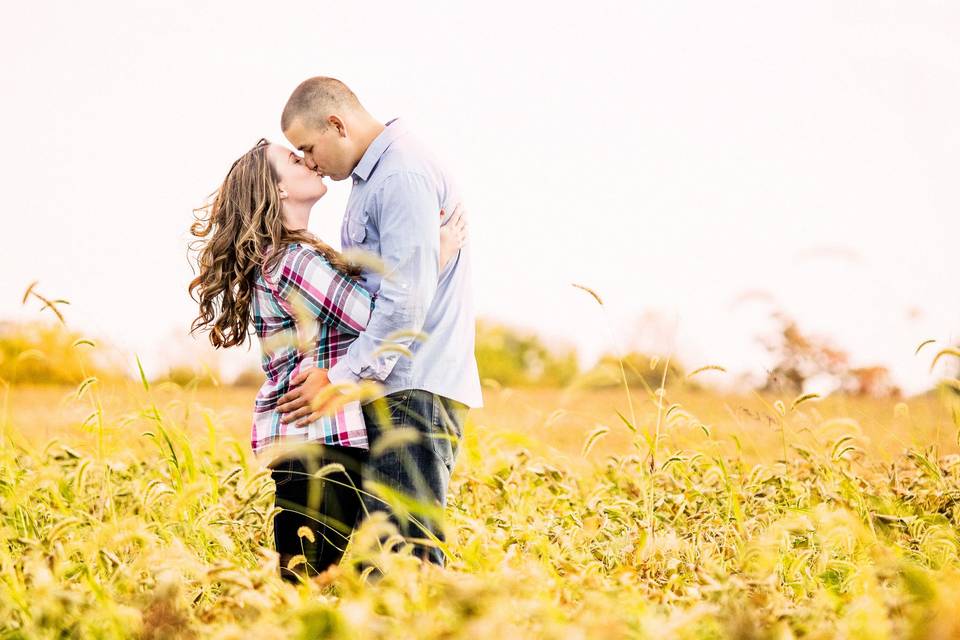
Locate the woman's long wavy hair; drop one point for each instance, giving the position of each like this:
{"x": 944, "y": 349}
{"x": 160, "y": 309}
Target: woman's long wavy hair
{"x": 239, "y": 231}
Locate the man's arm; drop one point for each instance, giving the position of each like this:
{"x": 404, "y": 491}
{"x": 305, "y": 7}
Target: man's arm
{"x": 410, "y": 248}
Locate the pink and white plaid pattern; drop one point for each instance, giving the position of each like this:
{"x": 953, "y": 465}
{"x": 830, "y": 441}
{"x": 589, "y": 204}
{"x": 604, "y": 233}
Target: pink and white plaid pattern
{"x": 306, "y": 314}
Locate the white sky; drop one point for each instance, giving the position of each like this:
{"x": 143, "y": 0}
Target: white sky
{"x": 671, "y": 155}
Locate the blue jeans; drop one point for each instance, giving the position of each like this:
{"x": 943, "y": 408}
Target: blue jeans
{"x": 416, "y": 463}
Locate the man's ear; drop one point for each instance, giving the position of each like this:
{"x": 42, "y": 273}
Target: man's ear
{"x": 338, "y": 124}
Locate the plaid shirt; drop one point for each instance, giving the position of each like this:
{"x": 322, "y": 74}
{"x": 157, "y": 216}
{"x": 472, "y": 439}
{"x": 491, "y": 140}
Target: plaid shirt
{"x": 305, "y": 314}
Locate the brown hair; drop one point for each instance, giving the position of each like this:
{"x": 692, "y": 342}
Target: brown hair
{"x": 238, "y": 232}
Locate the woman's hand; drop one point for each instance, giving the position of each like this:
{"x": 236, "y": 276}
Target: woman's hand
{"x": 453, "y": 235}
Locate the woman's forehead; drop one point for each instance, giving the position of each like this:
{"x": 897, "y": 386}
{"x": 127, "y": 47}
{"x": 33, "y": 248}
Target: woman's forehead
{"x": 278, "y": 150}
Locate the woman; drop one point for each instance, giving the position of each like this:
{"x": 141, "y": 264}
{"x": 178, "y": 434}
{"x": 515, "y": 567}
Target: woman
{"x": 260, "y": 267}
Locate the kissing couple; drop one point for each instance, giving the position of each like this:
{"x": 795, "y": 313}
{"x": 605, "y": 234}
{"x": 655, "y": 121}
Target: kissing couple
{"x": 368, "y": 354}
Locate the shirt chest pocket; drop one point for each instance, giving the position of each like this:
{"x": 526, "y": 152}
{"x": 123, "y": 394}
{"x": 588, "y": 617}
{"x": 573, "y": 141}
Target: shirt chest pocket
{"x": 357, "y": 226}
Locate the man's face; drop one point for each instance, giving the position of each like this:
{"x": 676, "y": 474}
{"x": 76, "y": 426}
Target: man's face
{"x": 326, "y": 150}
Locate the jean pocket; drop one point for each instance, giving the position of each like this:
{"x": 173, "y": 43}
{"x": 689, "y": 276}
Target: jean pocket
{"x": 446, "y": 432}
{"x": 284, "y": 471}
{"x": 281, "y": 471}
{"x": 397, "y": 406}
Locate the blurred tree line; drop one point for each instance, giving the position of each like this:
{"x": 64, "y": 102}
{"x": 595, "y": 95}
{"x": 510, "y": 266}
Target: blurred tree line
{"x": 42, "y": 353}
{"x": 46, "y": 353}
{"x": 514, "y": 358}
{"x": 799, "y": 356}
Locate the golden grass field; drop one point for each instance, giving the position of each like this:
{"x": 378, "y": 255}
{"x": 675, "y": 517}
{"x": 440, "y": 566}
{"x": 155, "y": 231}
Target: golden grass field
{"x": 111, "y": 533}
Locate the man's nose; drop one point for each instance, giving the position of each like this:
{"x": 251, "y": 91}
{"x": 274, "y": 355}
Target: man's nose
{"x": 310, "y": 163}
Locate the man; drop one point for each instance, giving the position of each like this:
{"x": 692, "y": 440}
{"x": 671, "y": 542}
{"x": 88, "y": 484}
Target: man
{"x": 419, "y": 341}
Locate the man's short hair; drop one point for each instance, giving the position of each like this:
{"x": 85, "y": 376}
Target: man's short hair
{"x": 315, "y": 99}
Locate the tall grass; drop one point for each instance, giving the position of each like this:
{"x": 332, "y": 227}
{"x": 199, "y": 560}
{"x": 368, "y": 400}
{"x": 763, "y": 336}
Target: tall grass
{"x": 137, "y": 523}
{"x": 168, "y": 534}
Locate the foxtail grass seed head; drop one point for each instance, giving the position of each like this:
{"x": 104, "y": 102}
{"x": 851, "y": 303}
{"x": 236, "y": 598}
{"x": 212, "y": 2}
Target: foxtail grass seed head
{"x": 596, "y": 296}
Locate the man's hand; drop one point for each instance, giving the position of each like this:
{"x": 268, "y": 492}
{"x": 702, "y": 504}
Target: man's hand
{"x": 296, "y": 404}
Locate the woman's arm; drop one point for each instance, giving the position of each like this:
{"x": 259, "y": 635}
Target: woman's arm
{"x": 453, "y": 234}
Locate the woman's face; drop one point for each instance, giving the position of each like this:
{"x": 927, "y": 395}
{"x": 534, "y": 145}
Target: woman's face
{"x": 300, "y": 183}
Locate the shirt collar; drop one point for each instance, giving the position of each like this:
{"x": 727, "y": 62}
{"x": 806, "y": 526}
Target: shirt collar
{"x": 393, "y": 130}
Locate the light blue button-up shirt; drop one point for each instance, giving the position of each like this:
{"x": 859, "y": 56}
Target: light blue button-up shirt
{"x": 394, "y": 213}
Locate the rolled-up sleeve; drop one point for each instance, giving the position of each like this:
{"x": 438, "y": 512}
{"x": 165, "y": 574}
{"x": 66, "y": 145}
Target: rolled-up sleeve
{"x": 407, "y": 206}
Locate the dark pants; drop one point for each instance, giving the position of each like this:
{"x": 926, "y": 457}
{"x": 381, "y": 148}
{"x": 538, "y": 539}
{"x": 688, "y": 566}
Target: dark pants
{"x": 328, "y": 506}
{"x": 413, "y": 466}
{"x": 416, "y": 463}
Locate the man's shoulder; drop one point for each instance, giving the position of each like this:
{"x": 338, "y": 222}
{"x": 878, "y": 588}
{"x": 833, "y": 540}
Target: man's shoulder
{"x": 408, "y": 156}
{"x": 407, "y": 169}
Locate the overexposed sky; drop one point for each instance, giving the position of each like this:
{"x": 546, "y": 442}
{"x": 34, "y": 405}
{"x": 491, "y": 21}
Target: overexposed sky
{"x": 673, "y": 155}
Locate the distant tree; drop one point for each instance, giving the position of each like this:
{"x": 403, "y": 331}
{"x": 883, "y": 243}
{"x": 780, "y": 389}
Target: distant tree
{"x": 641, "y": 371}
{"x": 46, "y": 353}
{"x": 250, "y": 377}
{"x": 874, "y": 382}
{"x": 188, "y": 376}
{"x": 512, "y": 357}
{"x": 799, "y": 356}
